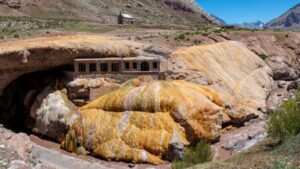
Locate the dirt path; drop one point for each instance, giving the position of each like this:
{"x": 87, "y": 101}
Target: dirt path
{"x": 51, "y": 153}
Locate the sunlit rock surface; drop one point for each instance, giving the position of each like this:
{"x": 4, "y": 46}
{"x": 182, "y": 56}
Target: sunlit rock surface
{"x": 139, "y": 121}
{"x": 241, "y": 78}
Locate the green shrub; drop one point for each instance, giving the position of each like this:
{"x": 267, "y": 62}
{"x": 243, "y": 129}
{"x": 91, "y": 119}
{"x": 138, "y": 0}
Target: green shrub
{"x": 285, "y": 121}
{"x": 263, "y": 56}
{"x": 194, "y": 155}
{"x": 180, "y": 36}
{"x": 217, "y": 30}
{"x": 205, "y": 34}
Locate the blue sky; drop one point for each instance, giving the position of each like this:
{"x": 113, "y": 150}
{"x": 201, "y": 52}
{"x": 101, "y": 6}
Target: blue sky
{"x": 238, "y": 11}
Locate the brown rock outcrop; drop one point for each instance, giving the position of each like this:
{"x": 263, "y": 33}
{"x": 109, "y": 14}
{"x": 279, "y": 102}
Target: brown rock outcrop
{"x": 16, "y": 4}
{"x": 241, "y": 78}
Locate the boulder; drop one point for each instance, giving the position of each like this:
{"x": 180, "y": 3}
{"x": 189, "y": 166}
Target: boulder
{"x": 144, "y": 121}
{"x": 294, "y": 85}
{"x": 287, "y": 74}
{"x": 52, "y": 113}
{"x": 276, "y": 98}
{"x": 84, "y": 90}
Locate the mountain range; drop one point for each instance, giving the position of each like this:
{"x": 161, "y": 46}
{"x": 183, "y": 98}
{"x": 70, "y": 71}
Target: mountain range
{"x": 252, "y": 25}
{"x": 288, "y": 20}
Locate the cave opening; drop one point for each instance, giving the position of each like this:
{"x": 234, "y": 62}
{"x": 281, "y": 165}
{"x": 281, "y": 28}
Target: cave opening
{"x": 17, "y": 98}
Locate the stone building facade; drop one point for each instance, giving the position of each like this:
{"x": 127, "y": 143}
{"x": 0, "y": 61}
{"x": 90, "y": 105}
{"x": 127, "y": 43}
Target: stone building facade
{"x": 134, "y": 65}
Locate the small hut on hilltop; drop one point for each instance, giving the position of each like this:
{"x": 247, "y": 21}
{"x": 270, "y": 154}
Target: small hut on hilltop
{"x": 125, "y": 19}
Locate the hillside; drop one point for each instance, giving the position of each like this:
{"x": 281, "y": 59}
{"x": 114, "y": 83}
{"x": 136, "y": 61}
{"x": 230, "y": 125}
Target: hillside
{"x": 290, "y": 19}
{"x": 181, "y": 12}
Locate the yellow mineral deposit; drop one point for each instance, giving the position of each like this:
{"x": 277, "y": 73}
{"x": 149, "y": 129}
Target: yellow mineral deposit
{"x": 138, "y": 121}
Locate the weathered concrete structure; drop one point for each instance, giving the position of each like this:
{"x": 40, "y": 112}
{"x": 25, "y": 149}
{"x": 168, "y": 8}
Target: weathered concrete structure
{"x": 140, "y": 65}
{"x": 118, "y": 68}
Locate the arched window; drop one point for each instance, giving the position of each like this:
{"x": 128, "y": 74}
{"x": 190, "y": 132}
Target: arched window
{"x": 145, "y": 66}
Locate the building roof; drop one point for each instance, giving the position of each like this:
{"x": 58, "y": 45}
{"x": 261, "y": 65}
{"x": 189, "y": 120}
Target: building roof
{"x": 127, "y": 16}
{"x": 139, "y": 58}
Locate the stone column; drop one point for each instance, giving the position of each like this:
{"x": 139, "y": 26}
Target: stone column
{"x": 109, "y": 65}
{"x": 98, "y": 67}
{"x": 87, "y": 67}
{"x": 76, "y": 69}
{"x": 139, "y": 67}
{"x": 151, "y": 66}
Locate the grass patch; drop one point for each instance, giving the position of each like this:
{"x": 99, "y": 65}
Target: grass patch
{"x": 263, "y": 56}
{"x": 282, "y": 165}
{"x": 180, "y": 36}
{"x": 14, "y": 27}
{"x": 195, "y": 155}
{"x": 280, "y": 37}
{"x": 285, "y": 121}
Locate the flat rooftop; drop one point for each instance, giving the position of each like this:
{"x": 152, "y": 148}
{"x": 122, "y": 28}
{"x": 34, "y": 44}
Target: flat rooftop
{"x": 139, "y": 58}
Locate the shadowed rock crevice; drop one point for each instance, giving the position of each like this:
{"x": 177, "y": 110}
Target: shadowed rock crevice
{"x": 18, "y": 97}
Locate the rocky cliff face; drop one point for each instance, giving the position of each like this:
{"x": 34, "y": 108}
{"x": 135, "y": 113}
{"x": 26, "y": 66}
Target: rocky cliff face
{"x": 280, "y": 50}
{"x": 290, "y": 19}
{"x": 106, "y": 11}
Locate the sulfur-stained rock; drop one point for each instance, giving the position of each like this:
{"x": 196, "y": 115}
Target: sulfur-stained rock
{"x": 52, "y": 113}
{"x": 128, "y": 136}
{"x": 198, "y": 109}
{"x": 144, "y": 121}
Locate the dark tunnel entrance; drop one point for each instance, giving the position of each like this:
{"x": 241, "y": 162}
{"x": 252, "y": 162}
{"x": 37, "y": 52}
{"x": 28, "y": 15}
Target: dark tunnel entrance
{"x": 17, "y": 98}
